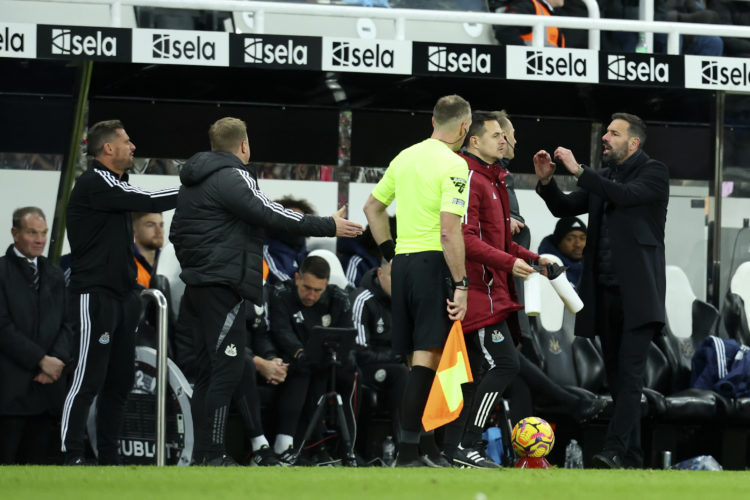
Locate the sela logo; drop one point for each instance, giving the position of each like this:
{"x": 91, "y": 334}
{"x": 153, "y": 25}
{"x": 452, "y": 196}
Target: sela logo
{"x": 620, "y": 68}
{"x": 169, "y": 46}
{"x": 11, "y": 41}
{"x": 440, "y": 58}
{"x": 539, "y": 64}
{"x": 345, "y": 55}
{"x": 723, "y": 73}
{"x": 260, "y": 51}
{"x": 66, "y": 43}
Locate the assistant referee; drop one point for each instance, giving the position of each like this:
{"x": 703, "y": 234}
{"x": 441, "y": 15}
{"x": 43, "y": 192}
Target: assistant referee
{"x": 429, "y": 286}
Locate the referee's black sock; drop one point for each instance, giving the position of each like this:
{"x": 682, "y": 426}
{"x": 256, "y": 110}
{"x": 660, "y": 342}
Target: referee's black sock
{"x": 412, "y": 407}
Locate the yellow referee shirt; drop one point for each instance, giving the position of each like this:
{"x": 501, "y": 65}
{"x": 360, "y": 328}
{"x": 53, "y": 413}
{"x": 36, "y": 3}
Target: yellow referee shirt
{"x": 426, "y": 178}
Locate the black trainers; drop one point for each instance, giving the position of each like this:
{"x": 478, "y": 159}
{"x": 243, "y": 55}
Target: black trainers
{"x": 436, "y": 461}
{"x": 264, "y": 457}
{"x": 408, "y": 463}
{"x": 607, "y": 459}
{"x": 589, "y": 409}
{"x": 222, "y": 460}
{"x": 474, "y": 457}
{"x": 287, "y": 457}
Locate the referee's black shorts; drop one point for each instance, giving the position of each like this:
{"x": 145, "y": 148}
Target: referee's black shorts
{"x": 421, "y": 283}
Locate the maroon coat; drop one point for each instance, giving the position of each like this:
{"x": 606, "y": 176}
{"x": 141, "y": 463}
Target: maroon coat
{"x": 490, "y": 251}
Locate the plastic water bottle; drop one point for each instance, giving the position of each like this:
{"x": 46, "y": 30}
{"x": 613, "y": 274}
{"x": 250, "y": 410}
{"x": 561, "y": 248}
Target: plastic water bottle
{"x": 642, "y": 46}
{"x": 573, "y": 455}
{"x": 389, "y": 451}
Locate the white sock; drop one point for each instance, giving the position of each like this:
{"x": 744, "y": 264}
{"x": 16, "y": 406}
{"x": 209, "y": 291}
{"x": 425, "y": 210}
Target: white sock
{"x": 283, "y": 442}
{"x": 258, "y": 442}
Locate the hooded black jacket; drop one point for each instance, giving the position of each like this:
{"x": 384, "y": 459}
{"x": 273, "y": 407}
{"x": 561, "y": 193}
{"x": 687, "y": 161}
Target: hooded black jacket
{"x": 220, "y": 222}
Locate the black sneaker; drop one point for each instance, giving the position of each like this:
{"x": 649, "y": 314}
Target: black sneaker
{"x": 287, "y": 458}
{"x": 222, "y": 460}
{"x": 264, "y": 457}
{"x": 408, "y": 463}
{"x": 474, "y": 457}
{"x": 436, "y": 461}
{"x": 590, "y": 409}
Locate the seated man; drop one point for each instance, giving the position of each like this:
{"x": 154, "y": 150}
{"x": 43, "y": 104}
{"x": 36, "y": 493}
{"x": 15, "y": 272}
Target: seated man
{"x": 380, "y": 366}
{"x": 567, "y": 242}
{"x": 295, "y": 307}
{"x": 522, "y": 35}
{"x": 359, "y": 255}
{"x": 35, "y": 343}
{"x": 283, "y": 252}
{"x": 148, "y": 238}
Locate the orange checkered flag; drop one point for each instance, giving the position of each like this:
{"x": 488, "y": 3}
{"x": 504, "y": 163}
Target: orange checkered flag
{"x": 446, "y": 399}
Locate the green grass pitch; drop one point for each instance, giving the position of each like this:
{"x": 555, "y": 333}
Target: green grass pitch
{"x": 183, "y": 483}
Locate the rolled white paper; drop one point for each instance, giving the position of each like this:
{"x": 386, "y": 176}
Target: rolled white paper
{"x": 567, "y": 293}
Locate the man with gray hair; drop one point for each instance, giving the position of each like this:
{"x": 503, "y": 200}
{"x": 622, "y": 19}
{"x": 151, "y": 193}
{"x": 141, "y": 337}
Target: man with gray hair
{"x": 35, "y": 342}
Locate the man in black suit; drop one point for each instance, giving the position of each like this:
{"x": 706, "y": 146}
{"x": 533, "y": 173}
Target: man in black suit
{"x": 623, "y": 281}
{"x": 35, "y": 344}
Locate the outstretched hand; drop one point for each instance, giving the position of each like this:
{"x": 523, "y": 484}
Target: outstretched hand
{"x": 346, "y": 228}
{"x": 543, "y": 166}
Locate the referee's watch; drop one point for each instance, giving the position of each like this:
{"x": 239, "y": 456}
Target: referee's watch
{"x": 463, "y": 283}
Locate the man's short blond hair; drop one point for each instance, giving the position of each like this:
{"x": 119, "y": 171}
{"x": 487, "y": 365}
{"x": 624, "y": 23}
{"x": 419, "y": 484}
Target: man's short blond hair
{"x": 449, "y": 109}
{"x": 227, "y": 134}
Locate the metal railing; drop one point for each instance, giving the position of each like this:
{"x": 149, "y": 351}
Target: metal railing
{"x": 401, "y": 16}
{"x": 161, "y": 373}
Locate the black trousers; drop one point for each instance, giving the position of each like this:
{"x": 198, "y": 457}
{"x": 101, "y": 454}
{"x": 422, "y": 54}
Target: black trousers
{"x": 106, "y": 368}
{"x": 392, "y": 386}
{"x": 27, "y": 439}
{"x": 219, "y": 341}
{"x": 625, "y": 353}
{"x": 247, "y": 399}
{"x": 301, "y": 389}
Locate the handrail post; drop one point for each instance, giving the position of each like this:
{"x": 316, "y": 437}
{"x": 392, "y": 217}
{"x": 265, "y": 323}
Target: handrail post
{"x": 161, "y": 373}
{"x": 116, "y": 13}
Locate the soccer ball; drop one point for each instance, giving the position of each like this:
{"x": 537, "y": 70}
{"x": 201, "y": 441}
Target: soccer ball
{"x": 532, "y": 437}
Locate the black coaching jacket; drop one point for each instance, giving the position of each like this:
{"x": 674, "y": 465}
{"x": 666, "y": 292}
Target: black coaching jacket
{"x": 100, "y": 230}
{"x": 636, "y": 203}
{"x": 219, "y": 226}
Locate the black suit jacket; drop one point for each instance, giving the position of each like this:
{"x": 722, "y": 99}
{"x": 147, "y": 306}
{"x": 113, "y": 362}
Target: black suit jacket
{"x": 636, "y": 230}
{"x": 32, "y": 324}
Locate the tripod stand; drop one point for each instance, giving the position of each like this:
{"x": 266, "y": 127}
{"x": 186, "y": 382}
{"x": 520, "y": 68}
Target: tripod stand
{"x": 326, "y": 344}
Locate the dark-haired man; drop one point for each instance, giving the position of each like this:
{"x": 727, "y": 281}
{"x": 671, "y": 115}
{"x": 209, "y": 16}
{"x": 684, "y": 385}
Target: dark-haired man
{"x": 218, "y": 231}
{"x": 148, "y": 238}
{"x": 430, "y": 180}
{"x": 106, "y": 306}
{"x": 285, "y": 251}
{"x": 567, "y": 242}
{"x": 295, "y": 308}
{"x": 623, "y": 282}
{"x": 492, "y": 259}
{"x": 35, "y": 343}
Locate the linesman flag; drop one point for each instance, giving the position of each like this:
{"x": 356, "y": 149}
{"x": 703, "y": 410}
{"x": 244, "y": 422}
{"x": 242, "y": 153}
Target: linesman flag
{"x": 446, "y": 400}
